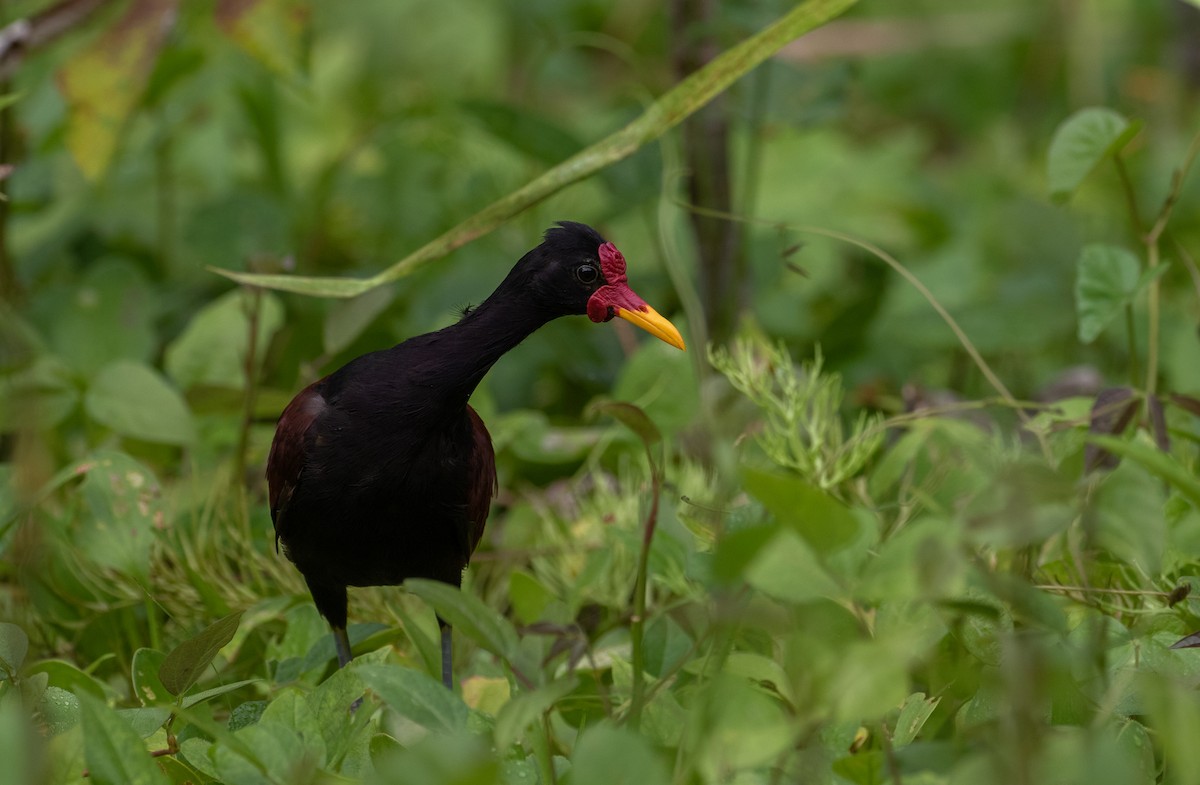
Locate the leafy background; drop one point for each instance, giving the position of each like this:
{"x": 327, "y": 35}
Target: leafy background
{"x": 927, "y": 506}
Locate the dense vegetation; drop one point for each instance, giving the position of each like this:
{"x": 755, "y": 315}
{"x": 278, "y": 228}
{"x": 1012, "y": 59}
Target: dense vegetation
{"x": 922, "y": 493}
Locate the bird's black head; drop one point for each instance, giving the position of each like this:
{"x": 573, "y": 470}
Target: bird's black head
{"x": 575, "y": 271}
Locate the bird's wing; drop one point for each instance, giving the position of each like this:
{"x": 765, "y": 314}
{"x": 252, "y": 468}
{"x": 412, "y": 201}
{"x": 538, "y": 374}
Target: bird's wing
{"x": 481, "y": 468}
{"x": 289, "y": 450}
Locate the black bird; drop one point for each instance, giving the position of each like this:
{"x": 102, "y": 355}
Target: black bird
{"x": 381, "y": 471}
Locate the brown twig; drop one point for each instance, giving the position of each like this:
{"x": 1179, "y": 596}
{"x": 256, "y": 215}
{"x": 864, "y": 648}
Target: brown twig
{"x": 19, "y": 38}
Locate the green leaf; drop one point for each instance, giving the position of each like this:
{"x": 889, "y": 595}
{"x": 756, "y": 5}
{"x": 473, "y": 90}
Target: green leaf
{"x": 145, "y": 720}
{"x": 417, "y": 696}
{"x": 825, "y": 523}
{"x": 14, "y": 645}
{"x": 39, "y": 396}
{"x": 348, "y": 319}
{"x": 528, "y": 707}
{"x": 144, "y": 673}
{"x": 468, "y": 615}
{"x": 103, "y": 83}
{"x": 1158, "y": 463}
{"x": 787, "y": 569}
{"x": 661, "y": 380}
{"x": 109, "y": 315}
{"x": 616, "y": 756}
{"x": 184, "y": 664}
{"x": 67, "y": 676}
{"x": 674, "y": 107}
{"x": 631, "y": 417}
{"x": 293, "y": 711}
{"x": 913, "y": 715}
{"x": 59, "y": 710}
{"x": 115, "y": 754}
{"x": 124, "y": 513}
{"x": 216, "y": 692}
{"x": 528, "y": 596}
{"x": 1081, "y": 142}
{"x": 1106, "y": 279}
{"x": 134, "y": 400}
{"x": 212, "y": 348}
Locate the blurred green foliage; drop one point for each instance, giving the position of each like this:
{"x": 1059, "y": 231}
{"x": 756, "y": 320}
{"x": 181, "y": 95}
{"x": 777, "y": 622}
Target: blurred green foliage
{"x": 874, "y": 566}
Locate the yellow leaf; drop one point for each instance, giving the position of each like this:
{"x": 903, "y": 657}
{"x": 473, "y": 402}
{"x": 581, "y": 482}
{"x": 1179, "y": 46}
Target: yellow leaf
{"x": 103, "y": 83}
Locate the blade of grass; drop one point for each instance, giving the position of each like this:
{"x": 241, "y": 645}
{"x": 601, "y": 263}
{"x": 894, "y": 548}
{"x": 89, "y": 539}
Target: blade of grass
{"x": 676, "y": 105}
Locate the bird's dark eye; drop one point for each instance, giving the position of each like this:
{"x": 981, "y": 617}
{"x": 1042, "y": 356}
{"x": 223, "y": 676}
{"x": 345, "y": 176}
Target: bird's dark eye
{"x": 587, "y": 273}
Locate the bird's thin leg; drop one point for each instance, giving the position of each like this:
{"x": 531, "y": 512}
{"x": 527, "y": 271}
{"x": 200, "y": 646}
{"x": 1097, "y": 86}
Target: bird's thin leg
{"x": 447, "y": 674}
{"x": 341, "y": 641}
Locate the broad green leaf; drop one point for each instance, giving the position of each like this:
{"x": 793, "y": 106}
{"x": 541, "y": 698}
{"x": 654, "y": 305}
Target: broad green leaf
{"x": 271, "y": 754}
{"x": 760, "y": 670}
{"x": 145, "y": 720}
{"x": 124, "y": 513}
{"x": 415, "y": 695}
{"x": 144, "y": 672}
{"x": 661, "y": 380}
{"x": 1106, "y": 278}
{"x": 330, "y": 703}
{"x": 468, "y": 615}
{"x": 437, "y": 759}
{"x": 67, "y": 676}
{"x": 115, "y": 754}
{"x": 109, "y": 315}
{"x": 23, "y": 756}
{"x": 347, "y": 319}
{"x": 528, "y": 596}
{"x": 616, "y": 756}
{"x": 528, "y": 707}
{"x": 14, "y": 645}
{"x": 103, "y": 83}
{"x": 1158, "y": 463}
{"x": 59, "y": 710}
{"x": 746, "y": 727}
{"x": 674, "y": 107}
{"x": 788, "y": 570}
{"x": 39, "y": 396}
{"x": 1081, "y": 142}
{"x": 825, "y": 523}
{"x": 246, "y": 713}
{"x": 184, "y": 664}
{"x": 212, "y": 349}
{"x": 738, "y": 549}
{"x": 913, "y": 715}
{"x": 292, "y": 710}
{"x": 135, "y": 401}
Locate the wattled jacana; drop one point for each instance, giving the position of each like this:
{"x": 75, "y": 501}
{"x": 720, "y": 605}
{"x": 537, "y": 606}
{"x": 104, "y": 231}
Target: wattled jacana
{"x": 381, "y": 471}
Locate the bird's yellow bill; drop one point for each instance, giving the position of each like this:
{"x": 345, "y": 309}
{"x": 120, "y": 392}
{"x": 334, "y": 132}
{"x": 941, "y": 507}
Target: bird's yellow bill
{"x": 654, "y": 323}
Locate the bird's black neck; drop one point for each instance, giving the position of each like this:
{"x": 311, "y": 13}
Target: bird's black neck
{"x": 461, "y": 354}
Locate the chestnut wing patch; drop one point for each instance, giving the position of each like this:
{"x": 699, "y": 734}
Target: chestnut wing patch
{"x": 289, "y": 450}
{"x": 481, "y": 468}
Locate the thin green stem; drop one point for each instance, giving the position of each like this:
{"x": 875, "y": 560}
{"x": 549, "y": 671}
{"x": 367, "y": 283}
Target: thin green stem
{"x": 1135, "y": 218}
{"x": 1131, "y": 337}
{"x": 638, "y": 623}
{"x": 1152, "y": 261}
